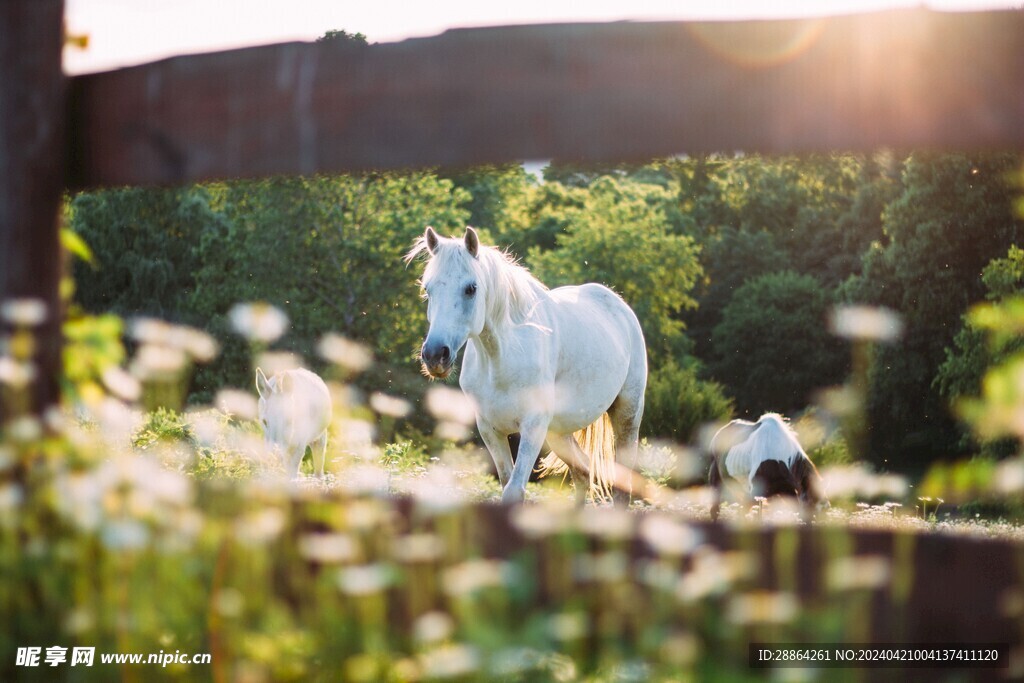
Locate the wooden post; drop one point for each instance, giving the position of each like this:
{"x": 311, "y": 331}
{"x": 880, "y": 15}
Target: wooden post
{"x": 32, "y": 152}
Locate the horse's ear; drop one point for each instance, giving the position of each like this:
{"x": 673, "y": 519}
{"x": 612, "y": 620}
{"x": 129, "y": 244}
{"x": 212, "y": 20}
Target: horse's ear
{"x": 262, "y": 386}
{"x": 431, "y": 239}
{"x": 286, "y": 383}
{"x": 472, "y": 241}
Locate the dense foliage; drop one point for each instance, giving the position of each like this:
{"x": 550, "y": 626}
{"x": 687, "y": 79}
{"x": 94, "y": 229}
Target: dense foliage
{"x": 731, "y": 263}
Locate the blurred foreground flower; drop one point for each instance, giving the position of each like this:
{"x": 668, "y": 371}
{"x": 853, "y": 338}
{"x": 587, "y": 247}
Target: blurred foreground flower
{"x": 258, "y": 322}
{"x": 764, "y": 607}
{"x": 196, "y": 343}
{"x": 390, "y": 405}
{"x": 23, "y": 312}
{"x": 345, "y": 353}
{"x": 866, "y": 323}
{"x": 451, "y": 405}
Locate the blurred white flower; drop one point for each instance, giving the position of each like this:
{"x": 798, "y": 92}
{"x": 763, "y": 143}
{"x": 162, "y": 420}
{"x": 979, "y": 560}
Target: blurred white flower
{"x": 16, "y": 374}
{"x": 273, "y": 362}
{"x": 10, "y": 498}
{"x": 364, "y": 579}
{"x": 1009, "y": 477}
{"x": 345, "y": 353}
{"x": 418, "y": 548}
{"x": 24, "y": 429}
{"x": 866, "y": 323}
{"x": 328, "y": 547}
{"x": 452, "y": 431}
{"x": 433, "y": 627}
{"x": 542, "y": 519}
{"x": 260, "y": 321}
{"x": 474, "y": 575}
{"x": 237, "y": 403}
{"x": 859, "y": 573}
{"x": 438, "y": 490}
{"x": 680, "y": 649}
{"x": 118, "y": 422}
{"x": 567, "y": 626}
{"x": 260, "y": 527}
{"x": 607, "y": 567}
{"x": 449, "y": 661}
{"x": 122, "y": 384}
{"x": 668, "y": 536}
{"x": 23, "y": 312}
{"x": 606, "y": 522}
{"x": 158, "y": 363}
{"x": 451, "y": 405}
{"x": 229, "y": 602}
{"x": 124, "y": 534}
{"x": 762, "y": 607}
{"x": 196, "y": 343}
{"x": 359, "y": 480}
{"x": 356, "y": 435}
{"x": 390, "y": 405}
{"x": 206, "y": 426}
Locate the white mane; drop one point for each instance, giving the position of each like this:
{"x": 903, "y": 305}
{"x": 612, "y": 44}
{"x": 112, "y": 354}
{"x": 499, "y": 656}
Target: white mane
{"x": 510, "y": 290}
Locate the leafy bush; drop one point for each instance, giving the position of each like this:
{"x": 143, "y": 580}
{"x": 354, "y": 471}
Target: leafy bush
{"x": 772, "y": 347}
{"x": 678, "y": 402}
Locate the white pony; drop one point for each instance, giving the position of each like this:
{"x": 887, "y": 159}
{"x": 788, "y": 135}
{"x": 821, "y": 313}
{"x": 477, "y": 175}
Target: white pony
{"x": 765, "y": 459}
{"x": 295, "y": 411}
{"x": 550, "y": 365}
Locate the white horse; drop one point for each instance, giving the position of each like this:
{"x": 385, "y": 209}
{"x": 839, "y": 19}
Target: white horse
{"x": 550, "y": 365}
{"x": 295, "y": 411}
{"x": 765, "y": 459}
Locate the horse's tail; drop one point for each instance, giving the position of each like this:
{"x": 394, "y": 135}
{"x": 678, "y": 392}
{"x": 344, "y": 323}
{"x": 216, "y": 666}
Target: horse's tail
{"x": 597, "y": 441}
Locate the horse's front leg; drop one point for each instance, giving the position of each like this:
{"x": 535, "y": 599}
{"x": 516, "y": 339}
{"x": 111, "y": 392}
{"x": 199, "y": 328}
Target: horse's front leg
{"x": 532, "y": 433}
{"x": 497, "y": 446}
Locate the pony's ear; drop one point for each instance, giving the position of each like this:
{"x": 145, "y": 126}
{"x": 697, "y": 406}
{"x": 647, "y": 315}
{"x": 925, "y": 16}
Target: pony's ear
{"x": 430, "y": 239}
{"x": 472, "y": 241}
{"x": 286, "y": 383}
{"x": 262, "y": 385}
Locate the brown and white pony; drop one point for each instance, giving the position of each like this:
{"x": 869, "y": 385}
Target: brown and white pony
{"x": 765, "y": 459}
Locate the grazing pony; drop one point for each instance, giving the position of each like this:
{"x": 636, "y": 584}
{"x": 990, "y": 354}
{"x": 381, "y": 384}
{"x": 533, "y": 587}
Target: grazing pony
{"x": 765, "y": 459}
{"x": 295, "y": 411}
{"x": 563, "y": 367}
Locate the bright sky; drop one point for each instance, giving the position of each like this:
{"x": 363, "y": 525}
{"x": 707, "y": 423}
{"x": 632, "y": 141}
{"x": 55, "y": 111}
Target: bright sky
{"x": 126, "y": 32}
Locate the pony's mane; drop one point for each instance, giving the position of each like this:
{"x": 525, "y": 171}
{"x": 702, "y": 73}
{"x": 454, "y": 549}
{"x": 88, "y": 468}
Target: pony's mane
{"x": 510, "y": 289}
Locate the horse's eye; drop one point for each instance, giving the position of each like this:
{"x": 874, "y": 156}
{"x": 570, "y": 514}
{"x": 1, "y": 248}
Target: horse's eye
{"x": 470, "y": 290}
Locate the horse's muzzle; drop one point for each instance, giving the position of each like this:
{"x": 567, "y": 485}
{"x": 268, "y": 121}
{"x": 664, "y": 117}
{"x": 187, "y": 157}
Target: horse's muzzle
{"x": 438, "y": 360}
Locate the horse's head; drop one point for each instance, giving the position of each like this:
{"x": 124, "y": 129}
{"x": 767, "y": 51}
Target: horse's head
{"x": 811, "y": 486}
{"x": 774, "y": 478}
{"x": 453, "y": 287}
{"x": 274, "y": 412}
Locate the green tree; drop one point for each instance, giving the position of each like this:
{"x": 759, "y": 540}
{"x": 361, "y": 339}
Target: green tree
{"x": 620, "y": 239}
{"x": 342, "y": 36}
{"x": 328, "y": 251}
{"x": 952, "y": 216}
{"x": 143, "y": 241}
{"x": 772, "y": 348}
{"x": 678, "y": 402}
{"x": 971, "y": 353}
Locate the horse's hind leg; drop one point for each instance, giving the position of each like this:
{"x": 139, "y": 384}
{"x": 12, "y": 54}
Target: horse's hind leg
{"x": 319, "y": 453}
{"x": 566, "y": 448}
{"x": 625, "y": 414}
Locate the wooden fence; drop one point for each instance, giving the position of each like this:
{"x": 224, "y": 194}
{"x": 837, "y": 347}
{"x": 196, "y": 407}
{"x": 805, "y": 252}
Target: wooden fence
{"x": 902, "y": 79}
